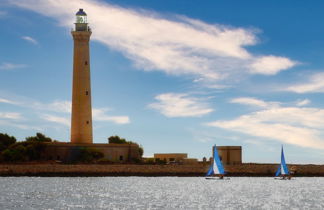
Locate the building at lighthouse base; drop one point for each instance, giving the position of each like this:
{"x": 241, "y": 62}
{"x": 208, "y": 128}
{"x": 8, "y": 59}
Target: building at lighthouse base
{"x": 70, "y": 152}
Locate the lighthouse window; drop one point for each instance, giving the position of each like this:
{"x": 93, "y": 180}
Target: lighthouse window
{"x": 86, "y": 63}
{"x": 87, "y": 92}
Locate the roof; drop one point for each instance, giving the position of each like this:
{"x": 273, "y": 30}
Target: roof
{"x": 81, "y": 12}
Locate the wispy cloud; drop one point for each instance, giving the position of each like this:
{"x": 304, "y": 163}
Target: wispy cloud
{"x": 10, "y": 115}
{"x": 303, "y": 102}
{"x": 10, "y": 66}
{"x": 64, "y": 107}
{"x": 254, "y": 102}
{"x": 30, "y": 39}
{"x": 56, "y": 119}
{"x": 176, "y": 45}
{"x": 271, "y": 65}
{"x": 100, "y": 115}
{"x": 315, "y": 84}
{"x": 57, "y": 106}
{"x": 180, "y": 105}
{"x": 3, "y": 100}
{"x": 294, "y": 125}
{"x": 19, "y": 125}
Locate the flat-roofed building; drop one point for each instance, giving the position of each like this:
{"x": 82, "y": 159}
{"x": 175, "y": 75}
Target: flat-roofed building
{"x": 230, "y": 155}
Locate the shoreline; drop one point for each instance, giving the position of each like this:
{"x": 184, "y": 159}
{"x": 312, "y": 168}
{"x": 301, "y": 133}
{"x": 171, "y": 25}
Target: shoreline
{"x": 146, "y": 170}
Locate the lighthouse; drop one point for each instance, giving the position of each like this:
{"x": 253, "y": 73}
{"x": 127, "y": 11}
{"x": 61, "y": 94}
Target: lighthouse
{"x": 81, "y": 117}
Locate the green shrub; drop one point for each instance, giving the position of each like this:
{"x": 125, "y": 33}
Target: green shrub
{"x": 116, "y": 140}
{"x": 6, "y": 141}
{"x": 30, "y": 149}
{"x": 17, "y": 153}
{"x": 89, "y": 154}
{"x": 39, "y": 138}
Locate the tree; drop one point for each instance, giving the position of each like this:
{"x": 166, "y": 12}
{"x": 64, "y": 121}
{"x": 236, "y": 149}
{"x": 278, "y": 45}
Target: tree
{"x": 116, "y": 140}
{"x": 39, "y": 138}
{"x": 31, "y": 149}
{"x": 140, "y": 151}
{"x": 89, "y": 154}
{"x": 6, "y": 141}
{"x": 17, "y": 153}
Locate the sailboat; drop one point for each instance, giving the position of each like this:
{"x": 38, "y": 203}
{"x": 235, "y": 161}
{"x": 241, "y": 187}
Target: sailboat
{"x": 216, "y": 170}
{"x": 283, "y": 171}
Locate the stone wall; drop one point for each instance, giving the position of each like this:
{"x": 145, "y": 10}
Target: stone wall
{"x": 69, "y": 152}
{"x": 149, "y": 170}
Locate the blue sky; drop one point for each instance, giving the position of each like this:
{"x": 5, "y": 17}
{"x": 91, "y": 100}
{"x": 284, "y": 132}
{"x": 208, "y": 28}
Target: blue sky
{"x": 174, "y": 76}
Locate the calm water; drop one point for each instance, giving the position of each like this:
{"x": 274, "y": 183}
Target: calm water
{"x": 160, "y": 193}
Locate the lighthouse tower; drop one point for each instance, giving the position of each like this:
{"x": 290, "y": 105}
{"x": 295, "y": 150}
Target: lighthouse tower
{"x": 81, "y": 120}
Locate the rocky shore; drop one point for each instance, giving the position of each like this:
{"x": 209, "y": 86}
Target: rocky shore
{"x": 55, "y": 169}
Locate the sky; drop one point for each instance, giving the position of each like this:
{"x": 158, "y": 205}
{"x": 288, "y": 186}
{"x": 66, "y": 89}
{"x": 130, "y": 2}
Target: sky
{"x": 174, "y": 76}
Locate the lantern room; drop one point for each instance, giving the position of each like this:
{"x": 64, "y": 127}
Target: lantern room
{"x": 81, "y": 23}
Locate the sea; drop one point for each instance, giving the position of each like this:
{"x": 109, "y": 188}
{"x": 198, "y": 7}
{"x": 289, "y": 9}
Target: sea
{"x": 160, "y": 193}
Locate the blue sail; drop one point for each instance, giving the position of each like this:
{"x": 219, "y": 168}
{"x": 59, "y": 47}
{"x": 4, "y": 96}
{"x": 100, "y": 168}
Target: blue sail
{"x": 278, "y": 170}
{"x": 218, "y": 162}
{"x": 210, "y": 171}
{"x": 282, "y": 169}
{"x": 217, "y": 166}
{"x": 283, "y": 162}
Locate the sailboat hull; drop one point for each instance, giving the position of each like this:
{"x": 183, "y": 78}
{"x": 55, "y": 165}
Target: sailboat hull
{"x": 283, "y": 178}
{"x": 217, "y": 178}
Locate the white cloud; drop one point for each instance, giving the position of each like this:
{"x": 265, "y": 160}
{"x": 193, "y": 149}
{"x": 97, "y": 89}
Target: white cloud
{"x": 100, "y": 115}
{"x": 10, "y": 115}
{"x": 175, "y": 44}
{"x": 271, "y": 65}
{"x": 10, "y": 66}
{"x": 56, "y": 119}
{"x": 30, "y": 39}
{"x": 64, "y": 107}
{"x": 180, "y": 105}
{"x": 58, "y": 106}
{"x": 6, "y": 101}
{"x": 303, "y": 102}
{"x": 294, "y": 125}
{"x": 315, "y": 84}
{"x": 20, "y": 126}
{"x": 254, "y": 102}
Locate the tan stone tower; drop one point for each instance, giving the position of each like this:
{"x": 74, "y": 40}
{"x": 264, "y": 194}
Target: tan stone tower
{"x": 81, "y": 121}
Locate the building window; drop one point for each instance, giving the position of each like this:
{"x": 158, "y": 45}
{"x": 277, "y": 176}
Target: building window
{"x": 121, "y": 158}
{"x": 87, "y": 121}
{"x": 87, "y": 92}
{"x": 58, "y": 157}
{"x": 86, "y": 63}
